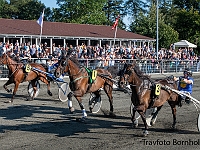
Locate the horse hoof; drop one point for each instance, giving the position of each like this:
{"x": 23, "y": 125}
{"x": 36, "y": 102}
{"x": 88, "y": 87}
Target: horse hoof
{"x": 152, "y": 122}
{"x": 173, "y": 127}
{"x": 145, "y": 132}
{"x": 9, "y": 91}
{"x": 82, "y": 120}
{"x": 135, "y": 124}
{"x": 8, "y": 101}
{"x": 111, "y": 114}
{"x": 71, "y": 110}
{"x": 50, "y": 94}
{"x": 29, "y": 99}
{"x": 90, "y": 109}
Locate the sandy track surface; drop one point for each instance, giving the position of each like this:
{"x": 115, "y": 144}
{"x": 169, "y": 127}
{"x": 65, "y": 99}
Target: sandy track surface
{"x": 45, "y": 124}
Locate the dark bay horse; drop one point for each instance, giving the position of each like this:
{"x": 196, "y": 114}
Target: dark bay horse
{"x": 80, "y": 83}
{"x": 143, "y": 97}
{"x": 17, "y": 75}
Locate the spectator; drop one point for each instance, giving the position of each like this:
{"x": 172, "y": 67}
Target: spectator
{"x": 17, "y": 58}
{"x": 33, "y": 50}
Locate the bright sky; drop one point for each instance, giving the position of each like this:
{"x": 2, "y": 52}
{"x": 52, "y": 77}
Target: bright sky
{"x": 49, "y": 3}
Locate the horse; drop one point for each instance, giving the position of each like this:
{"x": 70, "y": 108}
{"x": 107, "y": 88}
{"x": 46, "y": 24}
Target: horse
{"x": 80, "y": 83}
{"x": 143, "y": 94}
{"x": 18, "y": 75}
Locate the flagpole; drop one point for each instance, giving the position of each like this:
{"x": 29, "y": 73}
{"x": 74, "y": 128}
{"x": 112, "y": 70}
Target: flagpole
{"x": 41, "y": 27}
{"x": 157, "y": 30}
{"x": 115, "y": 26}
{"x": 115, "y": 36}
{"x": 40, "y": 22}
{"x": 40, "y": 34}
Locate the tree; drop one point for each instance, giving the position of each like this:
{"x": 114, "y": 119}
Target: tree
{"x": 146, "y": 25}
{"x": 6, "y": 10}
{"x": 23, "y": 9}
{"x": 112, "y": 9}
{"x": 82, "y": 11}
{"x": 135, "y": 8}
{"x": 187, "y": 4}
{"x": 188, "y": 26}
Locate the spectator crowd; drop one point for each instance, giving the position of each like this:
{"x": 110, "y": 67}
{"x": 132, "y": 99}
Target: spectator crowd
{"x": 103, "y": 56}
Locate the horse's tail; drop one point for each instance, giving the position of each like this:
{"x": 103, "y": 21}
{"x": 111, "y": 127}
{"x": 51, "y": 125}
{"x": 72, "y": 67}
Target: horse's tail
{"x": 45, "y": 67}
{"x": 113, "y": 70}
{"x": 108, "y": 77}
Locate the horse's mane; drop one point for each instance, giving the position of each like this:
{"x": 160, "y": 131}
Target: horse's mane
{"x": 139, "y": 72}
{"x": 74, "y": 60}
{"x": 13, "y": 61}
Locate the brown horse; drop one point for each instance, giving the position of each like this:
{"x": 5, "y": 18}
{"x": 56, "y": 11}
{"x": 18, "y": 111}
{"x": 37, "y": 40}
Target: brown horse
{"x": 143, "y": 97}
{"x": 80, "y": 82}
{"x": 17, "y": 75}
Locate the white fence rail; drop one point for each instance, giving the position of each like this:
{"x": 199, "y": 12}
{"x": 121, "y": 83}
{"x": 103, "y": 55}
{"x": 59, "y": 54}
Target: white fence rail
{"x": 147, "y": 66}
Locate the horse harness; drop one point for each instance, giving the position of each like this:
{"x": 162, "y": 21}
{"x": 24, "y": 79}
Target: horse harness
{"x": 91, "y": 75}
{"x": 16, "y": 69}
{"x": 148, "y": 84}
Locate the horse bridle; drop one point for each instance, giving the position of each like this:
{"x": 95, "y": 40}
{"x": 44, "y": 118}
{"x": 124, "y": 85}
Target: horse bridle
{"x": 64, "y": 64}
{"x": 129, "y": 72}
{"x": 6, "y": 58}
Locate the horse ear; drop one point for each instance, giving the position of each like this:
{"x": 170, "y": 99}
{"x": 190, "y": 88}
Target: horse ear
{"x": 134, "y": 62}
{"x": 125, "y": 65}
{"x": 1, "y": 52}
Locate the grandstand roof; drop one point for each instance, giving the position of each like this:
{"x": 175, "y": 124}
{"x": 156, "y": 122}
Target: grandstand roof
{"x": 27, "y": 28}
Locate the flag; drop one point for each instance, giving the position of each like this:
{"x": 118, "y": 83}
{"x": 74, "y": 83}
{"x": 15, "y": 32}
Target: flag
{"x": 40, "y": 20}
{"x": 116, "y": 23}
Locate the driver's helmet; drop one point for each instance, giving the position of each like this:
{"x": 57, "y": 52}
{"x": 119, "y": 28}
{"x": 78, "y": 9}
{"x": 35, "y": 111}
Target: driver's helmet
{"x": 188, "y": 72}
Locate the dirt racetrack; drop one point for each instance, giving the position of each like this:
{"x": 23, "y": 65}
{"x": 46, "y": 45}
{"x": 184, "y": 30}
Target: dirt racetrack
{"x": 45, "y": 124}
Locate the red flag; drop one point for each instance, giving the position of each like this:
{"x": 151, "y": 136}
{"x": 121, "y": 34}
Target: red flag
{"x": 116, "y": 23}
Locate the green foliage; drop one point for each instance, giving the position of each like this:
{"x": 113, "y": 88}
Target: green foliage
{"x": 146, "y": 25}
{"x": 167, "y": 35}
{"x": 189, "y": 25}
{"x": 22, "y": 9}
{"x": 112, "y": 9}
{"x": 82, "y": 11}
{"x": 187, "y": 4}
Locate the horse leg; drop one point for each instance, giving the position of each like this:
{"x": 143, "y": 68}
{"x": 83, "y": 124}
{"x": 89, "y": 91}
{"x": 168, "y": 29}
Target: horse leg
{"x": 34, "y": 85}
{"x": 48, "y": 89}
{"x": 173, "y": 107}
{"x": 108, "y": 90}
{"x": 48, "y": 85}
{"x": 6, "y": 84}
{"x": 97, "y": 95}
{"x": 133, "y": 119}
{"x": 141, "y": 109}
{"x": 153, "y": 119}
{"x": 14, "y": 92}
{"x": 71, "y": 109}
{"x": 78, "y": 94}
{"x": 84, "y": 114}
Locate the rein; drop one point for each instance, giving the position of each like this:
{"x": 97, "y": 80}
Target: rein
{"x": 143, "y": 78}
{"x": 8, "y": 64}
{"x": 78, "y": 78}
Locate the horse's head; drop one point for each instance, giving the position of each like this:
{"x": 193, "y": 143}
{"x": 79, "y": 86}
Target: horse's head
{"x": 62, "y": 67}
{"x": 125, "y": 74}
{"x": 2, "y": 57}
